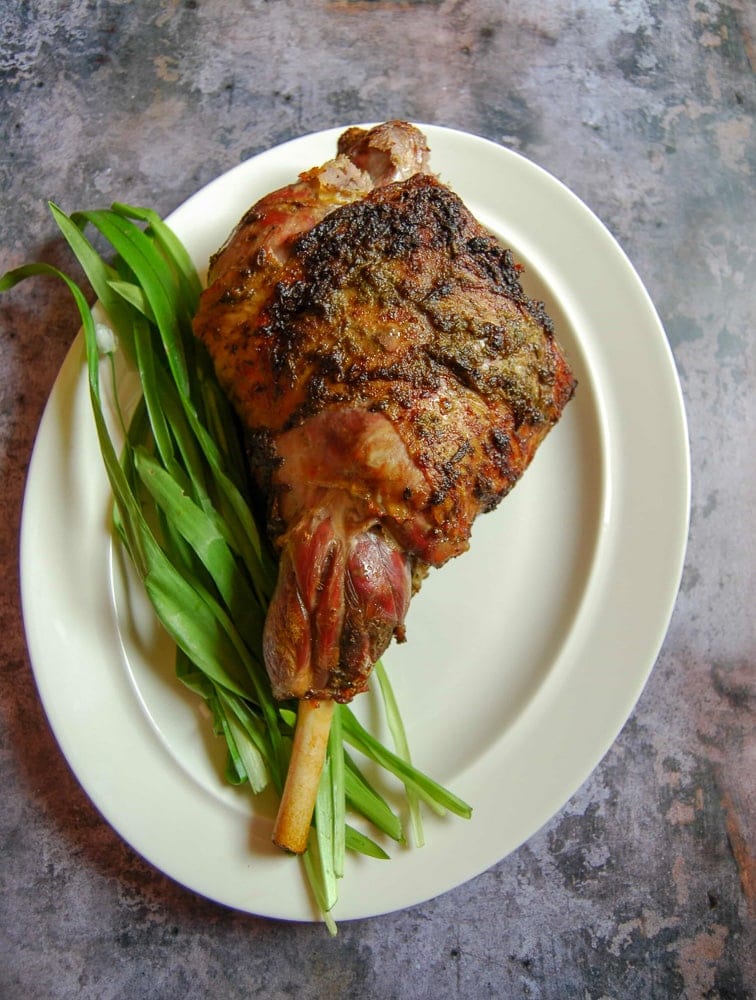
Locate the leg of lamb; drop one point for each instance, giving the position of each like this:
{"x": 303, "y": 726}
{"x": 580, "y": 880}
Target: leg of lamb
{"x": 395, "y": 382}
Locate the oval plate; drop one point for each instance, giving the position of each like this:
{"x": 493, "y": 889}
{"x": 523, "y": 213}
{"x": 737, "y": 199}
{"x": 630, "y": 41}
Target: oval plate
{"x": 525, "y": 657}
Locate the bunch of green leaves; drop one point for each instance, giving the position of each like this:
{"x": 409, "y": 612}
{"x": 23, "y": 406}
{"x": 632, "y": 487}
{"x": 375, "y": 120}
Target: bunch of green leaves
{"x": 183, "y": 510}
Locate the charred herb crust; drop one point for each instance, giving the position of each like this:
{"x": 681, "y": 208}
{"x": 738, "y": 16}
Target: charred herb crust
{"x": 375, "y": 255}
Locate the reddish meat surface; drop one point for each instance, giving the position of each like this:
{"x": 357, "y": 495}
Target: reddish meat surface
{"x": 395, "y": 382}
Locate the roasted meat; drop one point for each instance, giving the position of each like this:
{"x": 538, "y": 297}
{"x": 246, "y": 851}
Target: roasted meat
{"x": 395, "y": 382}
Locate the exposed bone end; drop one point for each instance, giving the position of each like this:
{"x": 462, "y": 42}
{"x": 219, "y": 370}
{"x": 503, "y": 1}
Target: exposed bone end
{"x": 292, "y": 826}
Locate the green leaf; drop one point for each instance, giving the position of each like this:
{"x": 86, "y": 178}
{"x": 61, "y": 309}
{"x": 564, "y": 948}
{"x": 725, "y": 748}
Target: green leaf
{"x": 399, "y": 736}
{"x": 134, "y": 296}
{"x": 189, "y": 620}
{"x": 428, "y": 789}
{"x": 155, "y": 278}
{"x": 99, "y": 274}
{"x": 362, "y": 844}
{"x": 324, "y": 837}
{"x": 252, "y": 760}
{"x": 252, "y": 739}
{"x": 364, "y": 799}
{"x": 338, "y": 793}
{"x": 203, "y": 534}
{"x": 173, "y": 248}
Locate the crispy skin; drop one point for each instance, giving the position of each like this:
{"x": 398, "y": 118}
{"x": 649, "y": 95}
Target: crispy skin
{"x": 396, "y": 382}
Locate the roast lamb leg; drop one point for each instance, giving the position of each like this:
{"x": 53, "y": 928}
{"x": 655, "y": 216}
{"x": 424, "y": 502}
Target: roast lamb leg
{"x": 395, "y": 381}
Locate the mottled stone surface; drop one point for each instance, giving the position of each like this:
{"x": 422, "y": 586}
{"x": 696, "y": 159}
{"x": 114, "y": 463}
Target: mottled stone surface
{"x": 643, "y": 885}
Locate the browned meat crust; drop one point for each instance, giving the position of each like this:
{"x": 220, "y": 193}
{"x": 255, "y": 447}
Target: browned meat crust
{"x": 403, "y": 304}
{"x": 395, "y": 381}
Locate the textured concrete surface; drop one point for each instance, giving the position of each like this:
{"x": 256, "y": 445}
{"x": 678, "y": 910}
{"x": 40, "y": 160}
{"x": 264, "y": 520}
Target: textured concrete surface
{"x": 643, "y": 885}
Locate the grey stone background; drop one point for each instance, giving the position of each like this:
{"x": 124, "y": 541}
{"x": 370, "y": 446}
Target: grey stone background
{"x": 643, "y": 885}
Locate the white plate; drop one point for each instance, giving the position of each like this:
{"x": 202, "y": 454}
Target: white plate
{"x": 525, "y": 656}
